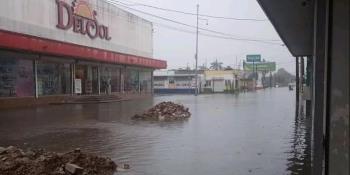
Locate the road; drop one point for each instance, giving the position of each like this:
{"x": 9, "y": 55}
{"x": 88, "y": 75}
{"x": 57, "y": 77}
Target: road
{"x": 250, "y": 133}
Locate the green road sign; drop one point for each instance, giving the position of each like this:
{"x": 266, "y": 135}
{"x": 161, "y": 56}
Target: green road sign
{"x": 253, "y": 58}
{"x": 262, "y": 66}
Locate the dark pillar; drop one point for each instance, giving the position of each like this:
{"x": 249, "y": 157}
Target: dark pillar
{"x": 302, "y": 75}
{"x": 99, "y": 79}
{"x": 297, "y": 86}
{"x": 319, "y": 83}
{"x": 138, "y": 79}
{"x": 152, "y": 82}
{"x": 308, "y": 83}
{"x": 35, "y": 62}
{"x": 122, "y": 79}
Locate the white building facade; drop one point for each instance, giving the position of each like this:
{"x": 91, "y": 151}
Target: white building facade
{"x": 219, "y": 81}
{"x": 69, "y": 47}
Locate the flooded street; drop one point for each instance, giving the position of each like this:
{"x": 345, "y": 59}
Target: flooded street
{"x": 249, "y": 133}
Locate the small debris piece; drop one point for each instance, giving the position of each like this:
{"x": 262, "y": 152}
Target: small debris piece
{"x": 126, "y": 166}
{"x": 73, "y": 169}
{"x": 77, "y": 150}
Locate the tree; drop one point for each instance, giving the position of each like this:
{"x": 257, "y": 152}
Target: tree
{"x": 282, "y": 77}
{"x": 216, "y": 65}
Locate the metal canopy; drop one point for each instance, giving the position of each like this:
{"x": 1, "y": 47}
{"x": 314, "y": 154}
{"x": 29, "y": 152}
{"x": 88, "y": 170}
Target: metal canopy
{"x": 293, "y": 20}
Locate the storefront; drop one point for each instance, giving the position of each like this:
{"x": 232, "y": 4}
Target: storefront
{"x": 29, "y": 75}
{"x": 73, "y": 48}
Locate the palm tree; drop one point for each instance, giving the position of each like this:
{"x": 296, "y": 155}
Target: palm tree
{"x": 216, "y": 65}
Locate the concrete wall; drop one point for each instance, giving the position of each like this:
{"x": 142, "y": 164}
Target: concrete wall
{"x": 130, "y": 34}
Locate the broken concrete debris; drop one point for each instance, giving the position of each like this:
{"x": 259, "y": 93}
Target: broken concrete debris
{"x": 165, "y": 111}
{"x": 14, "y": 161}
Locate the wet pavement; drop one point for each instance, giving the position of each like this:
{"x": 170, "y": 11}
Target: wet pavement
{"x": 249, "y": 133}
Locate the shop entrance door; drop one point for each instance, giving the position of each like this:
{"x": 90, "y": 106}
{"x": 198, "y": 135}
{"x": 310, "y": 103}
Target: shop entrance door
{"x": 219, "y": 85}
{"x": 86, "y": 77}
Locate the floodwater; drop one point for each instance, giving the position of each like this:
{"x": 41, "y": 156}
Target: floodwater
{"x": 250, "y": 133}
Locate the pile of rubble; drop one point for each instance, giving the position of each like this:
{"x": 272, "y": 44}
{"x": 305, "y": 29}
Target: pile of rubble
{"x": 165, "y": 111}
{"x": 14, "y": 161}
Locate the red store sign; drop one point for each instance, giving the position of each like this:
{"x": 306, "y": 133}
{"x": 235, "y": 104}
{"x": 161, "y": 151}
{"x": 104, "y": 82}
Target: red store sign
{"x": 81, "y": 18}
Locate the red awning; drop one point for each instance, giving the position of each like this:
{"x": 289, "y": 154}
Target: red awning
{"x": 23, "y": 42}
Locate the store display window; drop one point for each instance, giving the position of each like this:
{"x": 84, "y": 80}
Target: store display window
{"x": 53, "y": 78}
{"x": 16, "y": 76}
{"x": 131, "y": 80}
{"x": 146, "y": 81}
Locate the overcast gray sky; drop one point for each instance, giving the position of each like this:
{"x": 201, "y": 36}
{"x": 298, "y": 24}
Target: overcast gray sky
{"x": 178, "y": 48}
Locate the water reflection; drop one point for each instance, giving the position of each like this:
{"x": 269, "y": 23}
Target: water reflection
{"x": 299, "y": 157}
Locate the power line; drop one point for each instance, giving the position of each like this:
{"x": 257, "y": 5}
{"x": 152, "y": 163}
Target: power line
{"x": 225, "y": 35}
{"x": 212, "y": 36}
{"x": 174, "y": 28}
{"x": 208, "y": 35}
{"x": 177, "y": 22}
{"x": 239, "y": 39}
{"x": 189, "y": 13}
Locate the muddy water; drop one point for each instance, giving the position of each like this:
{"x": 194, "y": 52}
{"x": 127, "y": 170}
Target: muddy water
{"x": 251, "y": 133}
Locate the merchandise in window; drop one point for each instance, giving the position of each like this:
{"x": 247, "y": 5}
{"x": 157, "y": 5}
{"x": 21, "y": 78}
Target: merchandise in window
{"x": 16, "y": 77}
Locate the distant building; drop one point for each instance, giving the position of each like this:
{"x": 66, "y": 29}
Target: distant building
{"x": 217, "y": 81}
{"x": 247, "y": 81}
{"x": 176, "y": 81}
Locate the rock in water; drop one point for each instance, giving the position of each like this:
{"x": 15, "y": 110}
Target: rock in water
{"x": 165, "y": 111}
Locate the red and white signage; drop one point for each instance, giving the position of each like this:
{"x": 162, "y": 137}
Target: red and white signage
{"x": 81, "y": 18}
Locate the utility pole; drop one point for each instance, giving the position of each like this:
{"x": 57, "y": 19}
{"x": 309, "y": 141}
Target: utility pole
{"x": 254, "y": 76}
{"x": 302, "y": 74}
{"x": 301, "y": 82}
{"x": 270, "y": 79}
{"x": 240, "y": 64}
{"x": 196, "y": 90}
{"x": 236, "y": 66}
